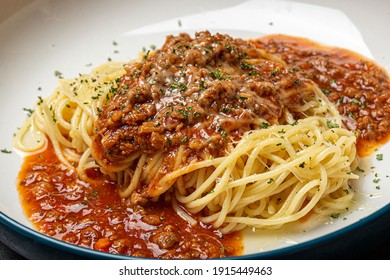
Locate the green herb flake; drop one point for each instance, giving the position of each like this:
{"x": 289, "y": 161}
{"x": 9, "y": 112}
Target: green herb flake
{"x": 183, "y": 112}
{"x": 274, "y": 72}
{"x": 6, "y": 151}
{"x": 40, "y": 100}
{"x": 355, "y": 101}
{"x": 379, "y": 157}
{"x": 217, "y": 74}
{"x": 329, "y": 124}
{"x": 94, "y": 193}
{"x": 271, "y": 180}
{"x": 359, "y": 169}
{"x": 264, "y": 125}
{"x": 58, "y": 74}
{"x": 335, "y": 215}
{"x": 202, "y": 85}
{"x": 178, "y": 85}
{"x": 147, "y": 54}
{"x": 28, "y": 111}
{"x": 245, "y": 65}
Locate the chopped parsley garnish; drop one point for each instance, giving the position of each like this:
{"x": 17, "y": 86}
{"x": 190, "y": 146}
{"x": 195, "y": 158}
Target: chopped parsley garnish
{"x": 335, "y": 215}
{"x": 264, "y": 125}
{"x": 355, "y": 101}
{"x": 226, "y": 110}
{"x": 6, "y": 151}
{"x": 58, "y": 74}
{"x": 40, "y": 100}
{"x": 183, "y": 112}
{"x": 28, "y": 111}
{"x": 376, "y": 181}
{"x": 202, "y": 85}
{"x": 359, "y": 169}
{"x": 217, "y": 74}
{"x": 245, "y": 65}
{"x": 379, "y": 156}
{"x": 178, "y": 85}
{"x": 294, "y": 123}
{"x": 147, "y": 54}
{"x": 274, "y": 72}
{"x": 329, "y": 124}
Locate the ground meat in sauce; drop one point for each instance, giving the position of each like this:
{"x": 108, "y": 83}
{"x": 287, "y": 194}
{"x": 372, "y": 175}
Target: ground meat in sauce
{"x": 92, "y": 215}
{"x": 358, "y": 87}
{"x": 200, "y": 92}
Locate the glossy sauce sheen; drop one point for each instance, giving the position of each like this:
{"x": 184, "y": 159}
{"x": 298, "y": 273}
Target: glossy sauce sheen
{"x": 359, "y": 87}
{"x": 199, "y": 92}
{"x": 92, "y": 215}
{"x": 198, "y": 95}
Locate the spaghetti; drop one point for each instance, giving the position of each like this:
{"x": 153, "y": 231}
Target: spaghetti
{"x": 213, "y": 124}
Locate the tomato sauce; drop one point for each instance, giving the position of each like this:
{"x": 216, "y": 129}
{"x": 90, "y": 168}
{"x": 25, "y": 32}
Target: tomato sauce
{"x": 92, "y": 215}
{"x": 358, "y": 86}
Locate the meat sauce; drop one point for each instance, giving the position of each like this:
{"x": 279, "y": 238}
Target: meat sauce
{"x": 358, "y": 87}
{"x": 200, "y": 92}
{"x": 92, "y": 215}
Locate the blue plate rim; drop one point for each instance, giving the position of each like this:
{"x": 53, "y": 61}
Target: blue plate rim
{"x": 272, "y": 254}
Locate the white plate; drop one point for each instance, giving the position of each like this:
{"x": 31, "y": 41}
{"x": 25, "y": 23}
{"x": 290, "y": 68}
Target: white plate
{"x": 74, "y": 36}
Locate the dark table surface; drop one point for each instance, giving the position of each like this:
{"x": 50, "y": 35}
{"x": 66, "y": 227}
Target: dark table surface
{"x": 376, "y": 251}
{"x": 7, "y": 254}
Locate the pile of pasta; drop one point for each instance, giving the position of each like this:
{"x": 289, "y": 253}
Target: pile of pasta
{"x": 271, "y": 176}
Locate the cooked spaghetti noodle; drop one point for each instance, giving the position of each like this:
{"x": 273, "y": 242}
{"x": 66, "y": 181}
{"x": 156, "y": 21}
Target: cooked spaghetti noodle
{"x": 222, "y": 133}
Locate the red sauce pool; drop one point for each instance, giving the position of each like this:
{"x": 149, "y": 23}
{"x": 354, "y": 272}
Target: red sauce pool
{"x": 358, "y": 86}
{"x": 93, "y": 215}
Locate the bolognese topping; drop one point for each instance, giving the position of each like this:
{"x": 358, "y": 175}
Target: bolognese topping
{"x": 201, "y": 92}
